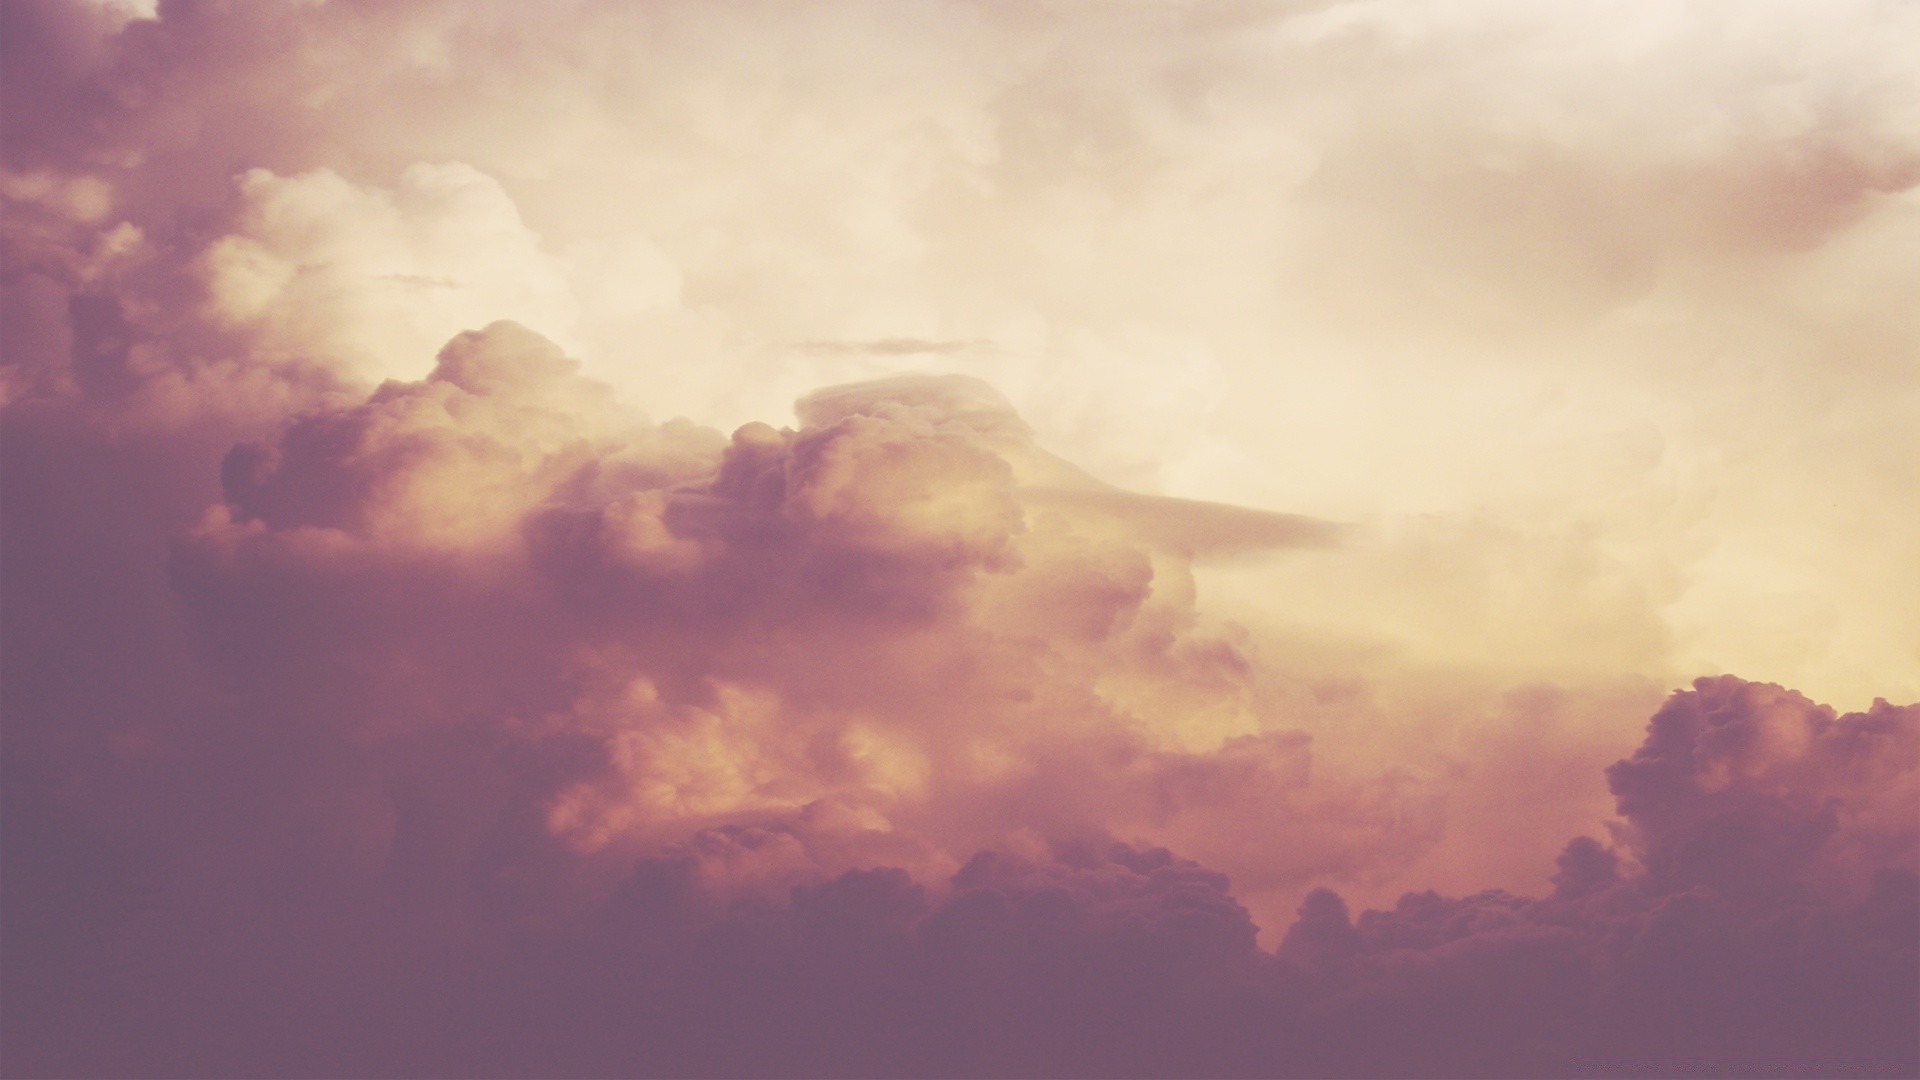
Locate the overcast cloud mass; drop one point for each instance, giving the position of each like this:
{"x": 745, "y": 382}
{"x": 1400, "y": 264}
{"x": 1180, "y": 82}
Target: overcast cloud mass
{"x": 1329, "y": 538}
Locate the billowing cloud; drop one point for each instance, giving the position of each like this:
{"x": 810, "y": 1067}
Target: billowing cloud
{"x": 860, "y": 539}
{"x": 317, "y": 264}
{"x": 870, "y": 611}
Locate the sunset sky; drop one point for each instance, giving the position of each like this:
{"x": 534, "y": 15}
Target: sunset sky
{"x": 1324, "y": 537}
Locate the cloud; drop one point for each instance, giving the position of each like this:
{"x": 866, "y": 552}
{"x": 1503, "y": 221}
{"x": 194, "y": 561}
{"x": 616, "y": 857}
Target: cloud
{"x": 1219, "y": 256}
{"x": 1736, "y": 768}
{"x": 718, "y": 613}
{"x": 317, "y": 264}
{"x": 1249, "y": 472}
{"x": 490, "y": 632}
{"x": 869, "y": 767}
{"x": 891, "y": 346}
{"x": 1718, "y": 943}
{"x": 739, "y": 954}
{"x": 1194, "y": 526}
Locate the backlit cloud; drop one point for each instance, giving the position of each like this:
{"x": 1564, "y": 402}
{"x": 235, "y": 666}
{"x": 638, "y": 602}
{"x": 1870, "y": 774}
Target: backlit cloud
{"x": 871, "y": 539}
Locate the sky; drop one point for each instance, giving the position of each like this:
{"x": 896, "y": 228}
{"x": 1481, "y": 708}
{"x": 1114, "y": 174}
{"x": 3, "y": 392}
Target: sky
{"x": 1339, "y": 537}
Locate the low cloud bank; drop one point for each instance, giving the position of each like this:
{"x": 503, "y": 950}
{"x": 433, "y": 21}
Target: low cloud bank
{"x": 481, "y": 727}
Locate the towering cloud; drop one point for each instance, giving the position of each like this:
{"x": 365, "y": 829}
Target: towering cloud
{"x": 902, "y": 611}
{"x": 1250, "y": 475}
{"x": 832, "y": 750}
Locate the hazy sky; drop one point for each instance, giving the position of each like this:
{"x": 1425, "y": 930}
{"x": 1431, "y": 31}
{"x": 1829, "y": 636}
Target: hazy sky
{"x": 470, "y": 465}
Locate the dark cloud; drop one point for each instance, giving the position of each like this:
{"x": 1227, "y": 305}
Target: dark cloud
{"x": 1086, "y": 959}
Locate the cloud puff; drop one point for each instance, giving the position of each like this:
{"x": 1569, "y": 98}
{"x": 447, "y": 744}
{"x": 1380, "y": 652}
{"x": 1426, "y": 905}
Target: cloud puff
{"x": 1735, "y": 768}
{"x": 317, "y": 265}
{"x": 1715, "y": 934}
{"x": 870, "y": 609}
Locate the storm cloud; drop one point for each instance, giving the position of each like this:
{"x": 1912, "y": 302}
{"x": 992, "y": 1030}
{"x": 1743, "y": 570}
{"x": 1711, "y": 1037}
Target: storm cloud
{"x": 873, "y": 539}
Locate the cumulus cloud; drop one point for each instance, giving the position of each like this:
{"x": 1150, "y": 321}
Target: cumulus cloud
{"x": 318, "y": 264}
{"x": 1609, "y": 282}
{"x": 463, "y": 928}
{"x": 870, "y": 611}
{"x": 1712, "y": 935}
{"x": 824, "y": 749}
{"x": 1249, "y": 472}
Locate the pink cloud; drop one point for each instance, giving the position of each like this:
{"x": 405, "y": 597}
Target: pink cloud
{"x": 386, "y": 696}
